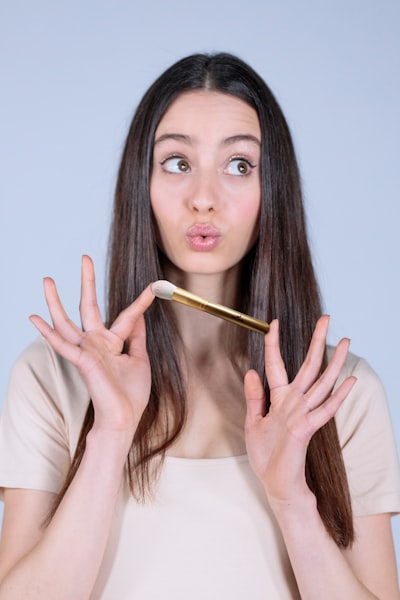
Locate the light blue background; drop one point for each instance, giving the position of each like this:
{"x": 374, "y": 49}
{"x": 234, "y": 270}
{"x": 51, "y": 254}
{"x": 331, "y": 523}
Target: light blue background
{"x": 71, "y": 75}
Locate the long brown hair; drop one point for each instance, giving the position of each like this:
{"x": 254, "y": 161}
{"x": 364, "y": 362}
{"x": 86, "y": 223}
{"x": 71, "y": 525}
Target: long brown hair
{"x": 278, "y": 277}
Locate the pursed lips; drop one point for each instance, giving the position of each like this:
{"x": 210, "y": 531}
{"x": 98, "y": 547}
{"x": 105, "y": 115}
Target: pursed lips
{"x": 203, "y": 237}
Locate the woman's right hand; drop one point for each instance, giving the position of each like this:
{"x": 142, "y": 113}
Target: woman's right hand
{"x": 118, "y": 383}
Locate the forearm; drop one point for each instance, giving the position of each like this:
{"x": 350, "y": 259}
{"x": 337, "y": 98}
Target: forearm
{"x": 66, "y": 561}
{"x": 319, "y": 566}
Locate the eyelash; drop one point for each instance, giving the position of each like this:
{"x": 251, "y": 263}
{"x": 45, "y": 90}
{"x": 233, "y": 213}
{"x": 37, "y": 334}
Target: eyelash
{"x": 231, "y": 160}
{"x": 244, "y": 160}
{"x": 172, "y": 156}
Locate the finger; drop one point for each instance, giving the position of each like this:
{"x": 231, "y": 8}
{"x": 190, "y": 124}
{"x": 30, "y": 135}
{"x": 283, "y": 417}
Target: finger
{"x": 255, "y": 397}
{"x": 323, "y": 413}
{"x": 88, "y": 307}
{"x": 66, "y": 349}
{"x": 311, "y": 366}
{"x": 62, "y": 323}
{"x": 136, "y": 340}
{"x": 124, "y": 324}
{"x": 274, "y": 366}
{"x": 325, "y": 384}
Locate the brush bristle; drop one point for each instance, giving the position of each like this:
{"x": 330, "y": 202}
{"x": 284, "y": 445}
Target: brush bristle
{"x": 163, "y": 289}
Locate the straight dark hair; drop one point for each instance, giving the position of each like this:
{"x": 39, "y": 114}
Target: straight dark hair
{"x": 277, "y": 277}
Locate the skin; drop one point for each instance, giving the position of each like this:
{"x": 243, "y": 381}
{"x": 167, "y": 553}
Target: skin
{"x": 229, "y": 419}
{"x": 202, "y": 146}
{"x": 206, "y": 171}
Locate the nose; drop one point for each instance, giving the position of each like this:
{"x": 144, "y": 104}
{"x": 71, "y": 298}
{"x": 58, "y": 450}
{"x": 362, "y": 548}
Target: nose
{"x": 204, "y": 195}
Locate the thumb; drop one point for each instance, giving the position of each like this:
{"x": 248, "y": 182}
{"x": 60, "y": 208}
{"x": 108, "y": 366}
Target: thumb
{"x": 124, "y": 324}
{"x": 255, "y": 397}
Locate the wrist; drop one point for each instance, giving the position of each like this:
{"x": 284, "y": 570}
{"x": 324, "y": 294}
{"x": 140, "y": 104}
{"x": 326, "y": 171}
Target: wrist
{"x": 301, "y": 506}
{"x": 109, "y": 445}
{"x": 299, "y": 520}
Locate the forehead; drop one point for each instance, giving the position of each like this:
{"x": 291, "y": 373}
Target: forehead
{"x": 205, "y": 109}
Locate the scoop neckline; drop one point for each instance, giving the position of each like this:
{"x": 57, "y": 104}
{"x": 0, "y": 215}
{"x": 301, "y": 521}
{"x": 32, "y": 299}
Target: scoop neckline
{"x": 208, "y": 461}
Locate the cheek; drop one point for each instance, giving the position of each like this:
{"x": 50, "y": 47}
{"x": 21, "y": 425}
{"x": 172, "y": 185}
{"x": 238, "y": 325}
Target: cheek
{"x": 161, "y": 228}
{"x": 249, "y": 217}
{"x": 164, "y": 216}
{"x": 250, "y": 223}
{"x": 157, "y": 203}
{"x": 164, "y": 225}
{"x": 163, "y": 201}
{"x": 156, "y": 209}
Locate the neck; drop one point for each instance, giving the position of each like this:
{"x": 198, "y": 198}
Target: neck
{"x": 200, "y": 331}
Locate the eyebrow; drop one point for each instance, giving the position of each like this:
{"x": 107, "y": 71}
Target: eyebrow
{"x": 180, "y": 137}
{"x": 247, "y": 137}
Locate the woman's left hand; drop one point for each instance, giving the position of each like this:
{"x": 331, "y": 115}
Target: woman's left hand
{"x": 277, "y": 441}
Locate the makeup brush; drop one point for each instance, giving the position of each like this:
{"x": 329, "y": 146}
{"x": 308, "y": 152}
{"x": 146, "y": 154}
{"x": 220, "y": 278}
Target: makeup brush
{"x": 168, "y": 291}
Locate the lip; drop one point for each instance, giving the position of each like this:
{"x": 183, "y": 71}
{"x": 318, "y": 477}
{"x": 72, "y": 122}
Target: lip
{"x": 203, "y": 237}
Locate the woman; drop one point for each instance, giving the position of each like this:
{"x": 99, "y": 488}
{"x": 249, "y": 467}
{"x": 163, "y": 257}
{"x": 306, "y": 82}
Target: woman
{"x": 183, "y": 481}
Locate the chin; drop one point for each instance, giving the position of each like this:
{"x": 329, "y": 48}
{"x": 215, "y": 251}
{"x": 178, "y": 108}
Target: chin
{"x": 201, "y": 267}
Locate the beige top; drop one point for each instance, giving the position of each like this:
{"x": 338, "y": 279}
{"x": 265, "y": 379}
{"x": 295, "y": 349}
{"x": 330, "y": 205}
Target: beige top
{"x": 209, "y": 532}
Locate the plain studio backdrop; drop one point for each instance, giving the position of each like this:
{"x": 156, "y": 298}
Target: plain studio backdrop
{"x": 71, "y": 76}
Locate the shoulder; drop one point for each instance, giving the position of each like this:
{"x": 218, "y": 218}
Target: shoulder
{"x": 40, "y": 357}
{"x": 44, "y": 388}
{"x": 357, "y": 366}
{"x": 39, "y": 365}
{"x": 366, "y": 404}
{"x": 41, "y": 419}
{"x": 366, "y": 437}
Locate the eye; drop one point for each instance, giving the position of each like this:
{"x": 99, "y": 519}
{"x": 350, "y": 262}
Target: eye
{"x": 176, "y": 164}
{"x": 239, "y": 166}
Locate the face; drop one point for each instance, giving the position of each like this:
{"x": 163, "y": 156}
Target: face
{"x": 205, "y": 184}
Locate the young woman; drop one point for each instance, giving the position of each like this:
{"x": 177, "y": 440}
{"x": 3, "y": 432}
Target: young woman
{"x": 169, "y": 453}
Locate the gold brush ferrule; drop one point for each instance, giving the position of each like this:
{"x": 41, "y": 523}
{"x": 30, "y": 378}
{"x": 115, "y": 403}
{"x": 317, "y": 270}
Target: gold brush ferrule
{"x": 223, "y": 312}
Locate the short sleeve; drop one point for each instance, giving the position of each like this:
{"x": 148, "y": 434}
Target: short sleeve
{"x": 368, "y": 445}
{"x": 40, "y": 421}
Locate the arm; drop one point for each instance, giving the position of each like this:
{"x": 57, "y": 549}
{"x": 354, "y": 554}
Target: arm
{"x": 277, "y": 445}
{"x": 63, "y": 560}
{"x": 322, "y": 570}
{"x": 372, "y": 556}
